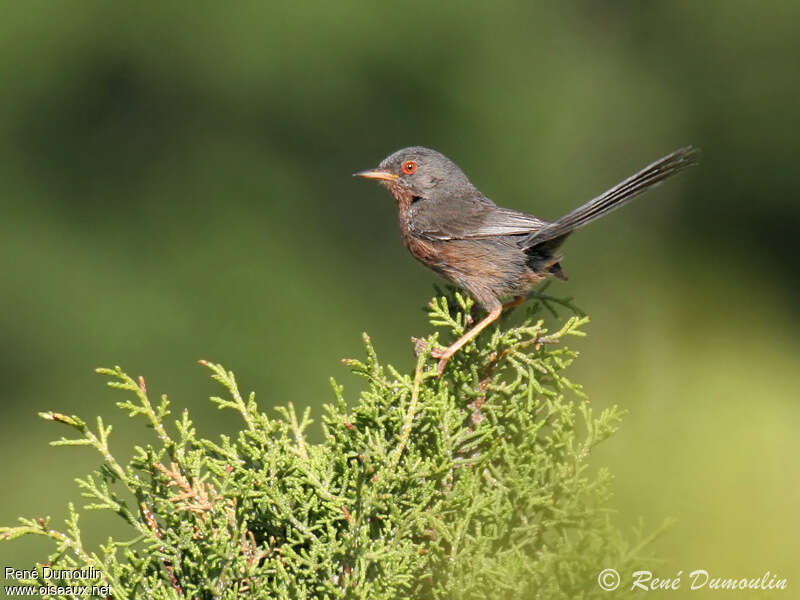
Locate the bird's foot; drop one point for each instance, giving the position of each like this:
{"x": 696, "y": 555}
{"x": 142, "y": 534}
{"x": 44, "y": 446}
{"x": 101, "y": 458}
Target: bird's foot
{"x": 421, "y": 346}
{"x": 442, "y": 364}
{"x": 437, "y": 353}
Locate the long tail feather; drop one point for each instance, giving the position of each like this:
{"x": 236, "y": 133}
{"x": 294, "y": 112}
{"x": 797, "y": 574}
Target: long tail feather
{"x": 617, "y": 196}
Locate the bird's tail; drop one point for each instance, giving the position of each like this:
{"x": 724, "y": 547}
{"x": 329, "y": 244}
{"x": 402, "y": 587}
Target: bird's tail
{"x": 616, "y": 196}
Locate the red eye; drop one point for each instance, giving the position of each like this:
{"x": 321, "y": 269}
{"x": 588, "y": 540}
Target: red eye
{"x": 409, "y": 167}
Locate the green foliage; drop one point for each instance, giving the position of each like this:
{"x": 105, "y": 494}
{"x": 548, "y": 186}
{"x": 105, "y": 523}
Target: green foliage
{"x": 472, "y": 485}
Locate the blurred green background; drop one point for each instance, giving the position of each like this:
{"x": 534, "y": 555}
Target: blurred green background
{"x": 175, "y": 185}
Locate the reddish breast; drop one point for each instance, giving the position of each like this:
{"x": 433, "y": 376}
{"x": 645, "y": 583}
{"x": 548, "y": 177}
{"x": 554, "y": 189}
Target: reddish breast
{"x": 423, "y": 250}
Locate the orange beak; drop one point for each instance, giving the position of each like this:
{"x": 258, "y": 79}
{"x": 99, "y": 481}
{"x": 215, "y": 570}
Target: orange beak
{"x": 377, "y": 174}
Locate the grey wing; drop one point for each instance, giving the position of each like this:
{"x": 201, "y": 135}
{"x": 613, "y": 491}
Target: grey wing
{"x": 507, "y": 221}
{"x": 472, "y": 220}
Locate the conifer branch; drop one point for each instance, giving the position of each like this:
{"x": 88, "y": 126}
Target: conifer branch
{"x": 408, "y": 421}
{"x": 470, "y": 485}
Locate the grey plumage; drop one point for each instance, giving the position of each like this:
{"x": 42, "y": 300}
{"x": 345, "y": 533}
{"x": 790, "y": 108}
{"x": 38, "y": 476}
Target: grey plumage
{"x": 492, "y": 252}
{"x": 442, "y": 213}
{"x": 617, "y": 196}
{"x": 454, "y": 209}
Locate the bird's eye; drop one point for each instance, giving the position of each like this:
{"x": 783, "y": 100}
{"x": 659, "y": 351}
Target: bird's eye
{"x": 409, "y": 167}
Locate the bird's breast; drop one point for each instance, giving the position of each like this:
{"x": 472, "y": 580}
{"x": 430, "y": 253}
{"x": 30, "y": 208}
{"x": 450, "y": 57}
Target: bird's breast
{"x": 424, "y": 250}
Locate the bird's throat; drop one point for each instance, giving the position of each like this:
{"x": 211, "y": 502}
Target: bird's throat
{"x": 404, "y": 196}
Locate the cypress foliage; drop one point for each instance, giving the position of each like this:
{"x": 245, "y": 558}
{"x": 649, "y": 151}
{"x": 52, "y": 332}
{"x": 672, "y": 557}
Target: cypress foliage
{"x": 472, "y": 485}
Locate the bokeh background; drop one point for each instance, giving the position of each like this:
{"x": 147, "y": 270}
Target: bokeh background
{"x": 175, "y": 185}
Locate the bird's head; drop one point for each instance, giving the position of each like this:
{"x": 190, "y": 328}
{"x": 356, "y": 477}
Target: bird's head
{"x": 418, "y": 172}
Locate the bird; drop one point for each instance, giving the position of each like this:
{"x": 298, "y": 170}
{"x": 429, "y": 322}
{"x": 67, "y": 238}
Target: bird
{"x": 491, "y": 252}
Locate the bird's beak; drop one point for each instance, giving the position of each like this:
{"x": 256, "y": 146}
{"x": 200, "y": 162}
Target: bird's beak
{"x": 377, "y": 174}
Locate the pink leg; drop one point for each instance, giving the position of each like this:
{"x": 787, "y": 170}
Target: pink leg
{"x": 464, "y": 339}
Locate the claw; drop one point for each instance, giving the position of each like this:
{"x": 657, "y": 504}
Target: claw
{"x": 420, "y": 345}
{"x": 442, "y": 365}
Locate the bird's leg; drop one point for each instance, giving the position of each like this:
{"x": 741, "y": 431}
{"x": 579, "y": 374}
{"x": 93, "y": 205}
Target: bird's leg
{"x": 445, "y": 355}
